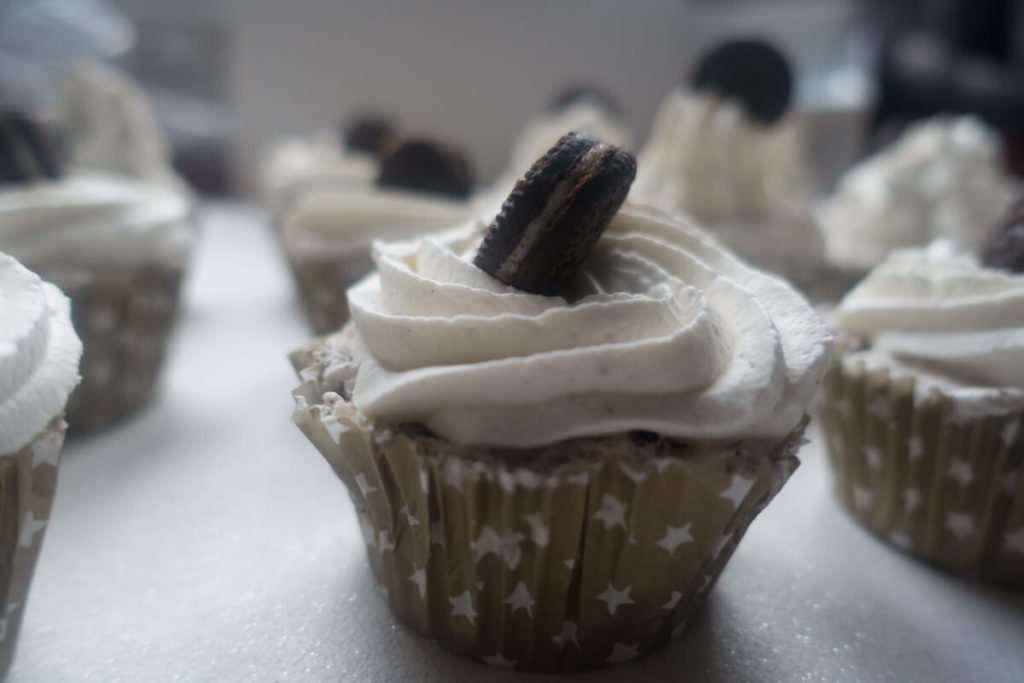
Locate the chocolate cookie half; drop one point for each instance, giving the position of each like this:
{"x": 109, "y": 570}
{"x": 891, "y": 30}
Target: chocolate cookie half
{"x": 752, "y": 73}
{"x": 1004, "y": 247}
{"x": 26, "y": 151}
{"x": 370, "y": 134}
{"x": 428, "y": 166}
{"x": 555, "y": 215}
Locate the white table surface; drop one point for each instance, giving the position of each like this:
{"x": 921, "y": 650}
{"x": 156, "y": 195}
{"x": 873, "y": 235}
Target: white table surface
{"x": 207, "y": 540}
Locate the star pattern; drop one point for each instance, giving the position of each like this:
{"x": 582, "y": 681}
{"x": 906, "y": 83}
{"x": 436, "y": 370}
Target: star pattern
{"x": 873, "y": 456}
{"x": 1015, "y": 541}
{"x": 424, "y": 481}
{"x": 737, "y": 491}
{"x": 410, "y": 519}
{"x": 614, "y": 598}
{"x": 568, "y": 634}
{"x": 384, "y": 542}
{"x": 520, "y": 598}
{"x": 32, "y": 526}
{"x": 540, "y": 534}
{"x": 462, "y": 606}
{"x": 612, "y": 512}
{"x": 1009, "y": 432}
{"x": 912, "y": 499}
{"x": 46, "y": 451}
{"x": 635, "y": 476}
{"x": 863, "y": 498}
{"x": 879, "y": 408}
{"x": 419, "y": 577}
{"x": 915, "y": 447}
{"x": 675, "y": 536}
{"x": 571, "y": 564}
{"x": 365, "y": 487}
{"x": 499, "y": 661}
{"x": 961, "y": 471}
{"x": 960, "y": 524}
{"x": 623, "y": 653}
{"x": 452, "y": 475}
{"x": 673, "y": 600}
{"x": 900, "y": 540}
{"x": 506, "y": 546}
{"x": 369, "y": 533}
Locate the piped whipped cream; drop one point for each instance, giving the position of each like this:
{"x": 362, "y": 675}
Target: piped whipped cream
{"x": 346, "y": 222}
{"x": 940, "y": 316}
{"x": 95, "y": 220}
{"x": 664, "y": 330}
{"x": 39, "y": 354}
{"x": 940, "y": 179}
{"x": 744, "y": 181}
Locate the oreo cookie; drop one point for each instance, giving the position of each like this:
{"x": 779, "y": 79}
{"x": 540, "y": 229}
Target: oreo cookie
{"x": 370, "y": 134}
{"x": 1004, "y": 247}
{"x": 26, "y": 151}
{"x": 752, "y": 73}
{"x": 585, "y": 93}
{"x": 556, "y": 213}
{"x": 427, "y": 166}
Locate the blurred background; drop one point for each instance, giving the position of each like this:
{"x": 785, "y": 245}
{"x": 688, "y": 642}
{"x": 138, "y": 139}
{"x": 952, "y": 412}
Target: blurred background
{"x": 227, "y": 77}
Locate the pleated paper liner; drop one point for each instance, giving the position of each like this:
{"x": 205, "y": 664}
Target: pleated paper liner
{"x": 124, "y": 319}
{"x": 942, "y": 486}
{"x": 28, "y": 480}
{"x": 590, "y": 552}
{"x": 322, "y": 283}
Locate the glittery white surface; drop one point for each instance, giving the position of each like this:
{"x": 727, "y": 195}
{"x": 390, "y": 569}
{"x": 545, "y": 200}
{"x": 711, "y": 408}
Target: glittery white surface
{"x": 207, "y": 540}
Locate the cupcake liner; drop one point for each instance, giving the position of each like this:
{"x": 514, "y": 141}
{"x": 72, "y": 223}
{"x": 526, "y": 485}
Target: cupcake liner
{"x": 28, "y": 480}
{"x": 923, "y": 476}
{"x": 322, "y": 283}
{"x": 124, "y": 319}
{"x": 589, "y": 552}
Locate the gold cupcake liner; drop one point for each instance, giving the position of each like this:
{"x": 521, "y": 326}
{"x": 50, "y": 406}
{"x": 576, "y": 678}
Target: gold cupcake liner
{"x": 590, "y": 552}
{"x": 322, "y": 283}
{"x": 28, "y": 481}
{"x": 124, "y": 319}
{"x": 920, "y": 475}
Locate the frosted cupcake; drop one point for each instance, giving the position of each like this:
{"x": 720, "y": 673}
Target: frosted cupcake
{"x": 551, "y": 475}
{"x": 422, "y": 186}
{"x": 116, "y": 245}
{"x": 727, "y": 151}
{"x": 923, "y": 407}
{"x": 940, "y": 180}
{"x": 39, "y": 355}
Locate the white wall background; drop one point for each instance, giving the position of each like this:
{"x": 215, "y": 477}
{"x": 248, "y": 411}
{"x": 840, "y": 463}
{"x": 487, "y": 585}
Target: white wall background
{"x": 474, "y": 71}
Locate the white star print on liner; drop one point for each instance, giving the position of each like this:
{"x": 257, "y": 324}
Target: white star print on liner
{"x": 863, "y": 498}
{"x": 961, "y": 471}
{"x": 1015, "y": 541}
{"x": 424, "y": 481}
{"x": 673, "y": 600}
{"x": 912, "y": 499}
{"x": 46, "y": 451}
{"x": 385, "y": 541}
{"x": 635, "y": 476}
{"x": 409, "y": 518}
{"x": 623, "y": 653}
{"x": 873, "y": 456}
{"x": 568, "y": 634}
{"x": 11, "y": 609}
{"x": 720, "y": 542}
{"x": 615, "y": 598}
{"x": 880, "y": 408}
{"x": 419, "y": 577}
{"x": 29, "y": 530}
{"x": 334, "y": 428}
{"x": 675, "y": 536}
{"x": 1010, "y": 432}
{"x": 506, "y": 546}
{"x": 571, "y": 564}
{"x": 520, "y": 598}
{"x": 539, "y": 533}
{"x": 738, "y": 490}
{"x": 452, "y": 474}
{"x": 462, "y": 606}
{"x": 365, "y": 487}
{"x": 369, "y": 533}
{"x": 900, "y": 540}
{"x": 612, "y": 512}
{"x": 498, "y": 660}
{"x": 960, "y": 524}
{"x": 915, "y": 447}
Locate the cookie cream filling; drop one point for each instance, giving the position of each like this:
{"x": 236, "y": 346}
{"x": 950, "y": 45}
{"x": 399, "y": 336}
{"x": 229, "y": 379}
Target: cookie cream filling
{"x": 941, "y": 179}
{"x": 743, "y": 180}
{"x": 341, "y": 222}
{"x": 664, "y": 331}
{"x": 960, "y": 325}
{"x": 95, "y": 220}
{"x": 39, "y": 354}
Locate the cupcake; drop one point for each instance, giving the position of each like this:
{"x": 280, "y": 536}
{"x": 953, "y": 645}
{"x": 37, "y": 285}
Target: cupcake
{"x": 324, "y": 161}
{"x": 940, "y": 180}
{"x": 923, "y": 408}
{"x": 553, "y": 453}
{"x": 422, "y": 186}
{"x": 726, "y": 150}
{"x": 115, "y": 244}
{"x": 39, "y": 355}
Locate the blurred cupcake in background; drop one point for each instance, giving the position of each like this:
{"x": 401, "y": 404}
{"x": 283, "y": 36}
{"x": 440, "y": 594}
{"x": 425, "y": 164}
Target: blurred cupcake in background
{"x": 422, "y": 185}
{"x": 941, "y": 179}
{"x": 39, "y": 355}
{"x": 327, "y": 160}
{"x": 923, "y": 405}
{"x": 725, "y": 148}
{"x": 113, "y": 229}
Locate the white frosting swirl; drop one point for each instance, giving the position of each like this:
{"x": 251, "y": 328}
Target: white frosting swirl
{"x": 93, "y": 220}
{"x": 745, "y": 181}
{"x": 39, "y": 354}
{"x": 944, "y": 313}
{"x": 346, "y": 222}
{"x": 940, "y": 179}
{"x": 666, "y": 332}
